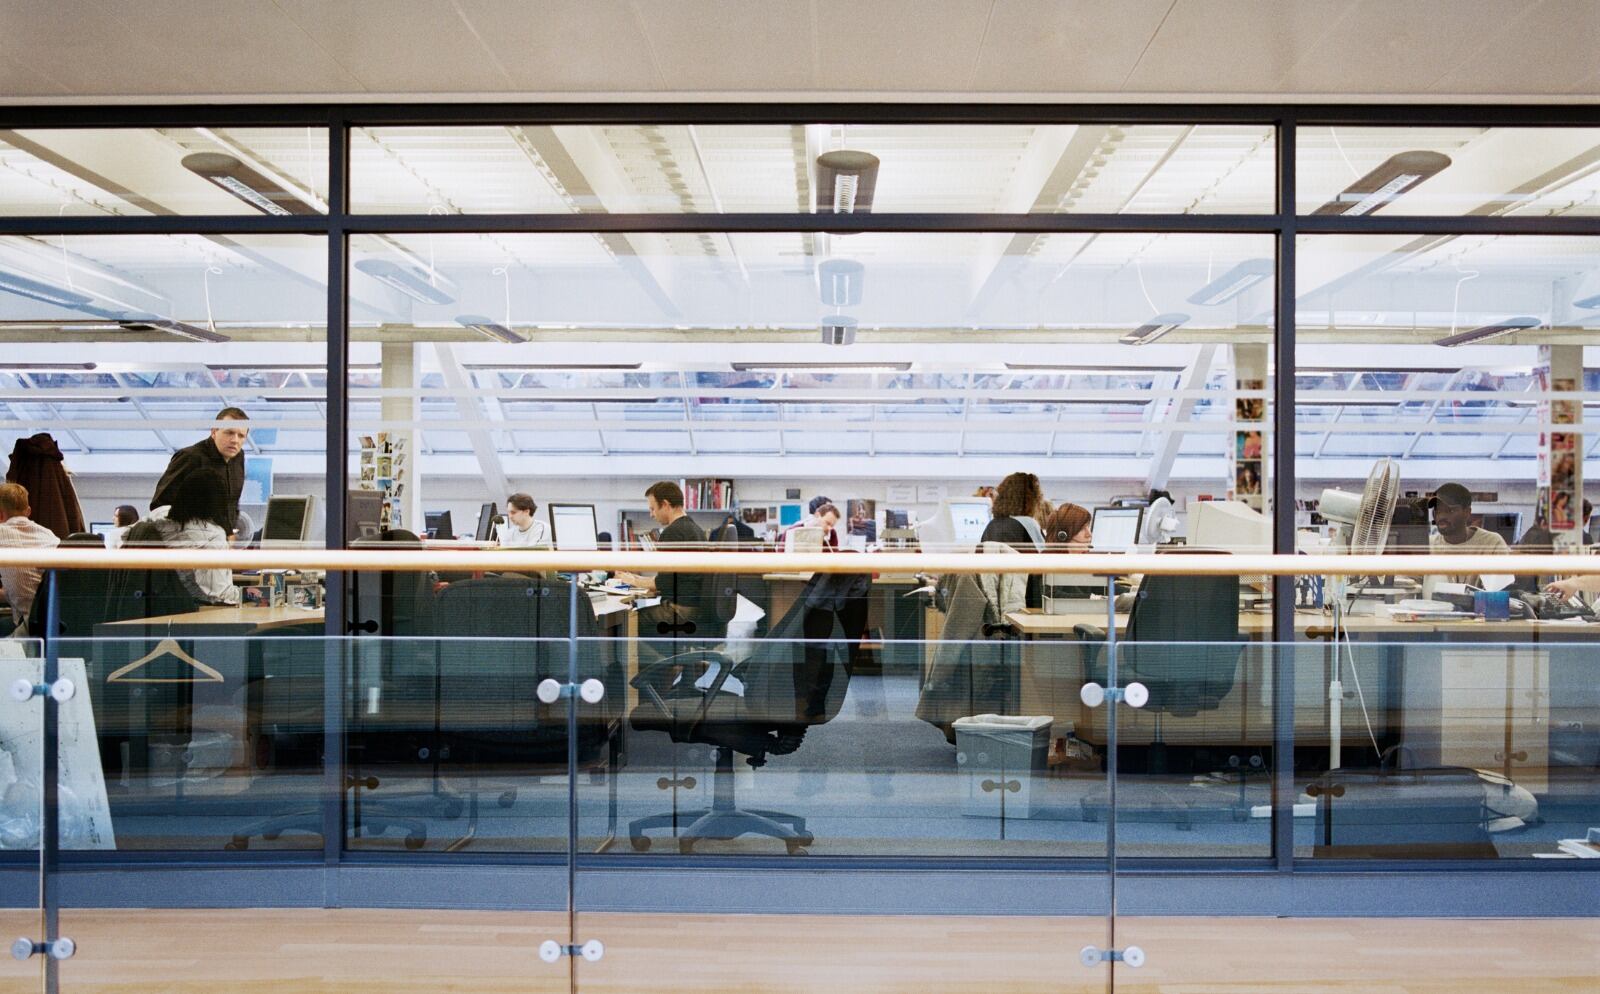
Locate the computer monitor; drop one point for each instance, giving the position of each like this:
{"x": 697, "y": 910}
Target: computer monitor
{"x": 896, "y": 519}
{"x": 1506, "y": 524}
{"x": 103, "y": 528}
{"x": 438, "y": 524}
{"x": 572, "y": 527}
{"x": 956, "y": 527}
{"x": 486, "y": 516}
{"x": 363, "y": 514}
{"x": 290, "y": 521}
{"x": 1228, "y": 526}
{"x": 1116, "y": 529}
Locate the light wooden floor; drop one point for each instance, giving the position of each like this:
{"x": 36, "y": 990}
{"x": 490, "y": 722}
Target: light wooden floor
{"x": 408, "y": 952}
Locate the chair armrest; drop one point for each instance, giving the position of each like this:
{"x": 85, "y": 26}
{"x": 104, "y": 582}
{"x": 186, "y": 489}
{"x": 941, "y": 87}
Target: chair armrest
{"x": 1089, "y": 633}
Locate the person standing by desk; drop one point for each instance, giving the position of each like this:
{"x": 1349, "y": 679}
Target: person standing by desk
{"x": 198, "y": 503}
{"x": 222, "y": 452}
{"x": 1457, "y": 535}
{"x": 682, "y": 602}
{"x": 18, "y": 584}
{"x": 521, "y": 529}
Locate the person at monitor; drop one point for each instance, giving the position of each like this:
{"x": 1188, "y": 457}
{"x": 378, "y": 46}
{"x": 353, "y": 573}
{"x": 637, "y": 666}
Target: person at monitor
{"x": 1455, "y": 533}
{"x": 123, "y": 518}
{"x": 194, "y": 521}
{"x": 222, "y": 452}
{"x": 815, "y": 519}
{"x": 680, "y": 593}
{"x": 1017, "y": 502}
{"x": 19, "y": 584}
{"x": 1069, "y": 528}
{"x": 1540, "y": 541}
{"x": 521, "y": 529}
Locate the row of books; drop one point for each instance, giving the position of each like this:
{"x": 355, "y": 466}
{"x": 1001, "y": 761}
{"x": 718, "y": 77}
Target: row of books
{"x": 707, "y": 495}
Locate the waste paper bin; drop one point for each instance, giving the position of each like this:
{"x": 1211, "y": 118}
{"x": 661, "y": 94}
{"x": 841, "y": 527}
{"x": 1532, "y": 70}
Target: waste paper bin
{"x": 999, "y": 756}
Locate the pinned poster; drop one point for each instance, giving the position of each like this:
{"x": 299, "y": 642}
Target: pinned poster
{"x": 257, "y": 480}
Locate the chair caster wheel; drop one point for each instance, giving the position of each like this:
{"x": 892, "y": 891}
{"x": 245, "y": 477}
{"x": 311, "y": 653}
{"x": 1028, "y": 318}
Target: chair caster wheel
{"x": 1239, "y": 815}
{"x": 239, "y": 844}
{"x": 508, "y": 798}
{"x": 685, "y": 846}
{"x": 271, "y": 836}
{"x": 797, "y": 847}
{"x": 641, "y": 843}
{"x": 416, "y": 840}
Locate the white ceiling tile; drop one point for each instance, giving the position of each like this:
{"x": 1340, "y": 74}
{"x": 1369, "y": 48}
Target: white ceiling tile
{"x": 897, "y": 45}
{"x": 92, "y": 53}
{"x": 1384, "y": 47}
{"x": 571, "y": 46}
{"x": 1232, "y": 46}
{"x": 279, "y": 56}
{"x": 23, "y": 77}
{"x": 402, "y": 46}
{"x": 1083, "y": 46}
{"x": 1528, "y": 54}
{"x": 732, "y": 45}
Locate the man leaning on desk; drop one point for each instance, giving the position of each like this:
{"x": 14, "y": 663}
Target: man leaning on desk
{"x": 681, "y": 600}
{"x": 222, "y": 451}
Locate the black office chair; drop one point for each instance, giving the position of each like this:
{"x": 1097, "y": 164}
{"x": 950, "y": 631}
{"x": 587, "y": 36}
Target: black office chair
{"x": 500, "y": 637}
{"x": 784, "y": 692}
{"x": 975, "y": 667}
{"x": 1183, "y": 644}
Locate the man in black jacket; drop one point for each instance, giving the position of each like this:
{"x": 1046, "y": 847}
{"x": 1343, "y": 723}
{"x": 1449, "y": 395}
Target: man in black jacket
{"x": 223, "y": 451}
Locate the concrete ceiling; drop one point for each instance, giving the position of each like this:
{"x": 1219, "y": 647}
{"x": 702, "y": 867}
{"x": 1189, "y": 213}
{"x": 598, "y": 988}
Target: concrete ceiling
{"x": 1137, "y": 50}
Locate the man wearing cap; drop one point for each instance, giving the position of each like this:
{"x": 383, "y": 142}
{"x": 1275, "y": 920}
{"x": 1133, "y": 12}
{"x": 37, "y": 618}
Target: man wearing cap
{"x": 1456, "y": 535}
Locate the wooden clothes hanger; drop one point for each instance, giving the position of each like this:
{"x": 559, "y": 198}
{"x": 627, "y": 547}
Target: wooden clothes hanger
{"x": 166, "y": 647}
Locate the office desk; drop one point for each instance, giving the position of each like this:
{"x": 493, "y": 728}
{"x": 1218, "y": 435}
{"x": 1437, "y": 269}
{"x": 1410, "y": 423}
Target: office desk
{"x": 1457, "y": 691}
{"x": 899, "y": 620}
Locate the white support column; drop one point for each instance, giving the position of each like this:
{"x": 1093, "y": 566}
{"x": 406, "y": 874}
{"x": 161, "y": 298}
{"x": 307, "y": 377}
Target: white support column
{"x": 400, "y": 372}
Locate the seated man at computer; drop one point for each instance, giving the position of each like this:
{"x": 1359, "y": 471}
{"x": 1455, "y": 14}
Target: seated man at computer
{"x": 18, "y": 584}
{"x": 1451, "y": 505}
{"x": 521, "y": 529}
{"x": 680, "y": 592}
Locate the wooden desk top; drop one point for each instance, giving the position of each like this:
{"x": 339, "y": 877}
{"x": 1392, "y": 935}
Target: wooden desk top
{"x": 886, "y": 579}
{"x": 612, "y": 610}
{"x": 1034, "y": 624}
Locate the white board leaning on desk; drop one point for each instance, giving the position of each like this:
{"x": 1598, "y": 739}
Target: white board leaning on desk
{"x": 85, "y": 811}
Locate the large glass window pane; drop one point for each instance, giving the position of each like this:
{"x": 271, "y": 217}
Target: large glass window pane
{"x": 822, "y": 168}
{"x": 73, "y": 172}
{"x": 1457, "y": 172}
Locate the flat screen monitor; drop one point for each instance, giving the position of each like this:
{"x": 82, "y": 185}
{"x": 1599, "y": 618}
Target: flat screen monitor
{"x": 572, "y": 527}
{"x": 1506, "y": 524}
{"x": 896, "y": 519}
{"x": 1116, "y": 529}
{"x": 486, "y": 515}
{"x": 956, "y": 527}
{"x": 103, "y": 528}
{"x": 289, "y": 521}
{"x": 438, "y": 524}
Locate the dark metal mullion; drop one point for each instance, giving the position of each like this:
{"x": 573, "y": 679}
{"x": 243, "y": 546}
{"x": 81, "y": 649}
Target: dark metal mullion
{"x": 807, "y": 223}
{"x": 336, "y": 473}
{"x": 1412, "y": 224}
{"x": 167, "y": 224}
{"x": 1281, "y": 649}
{"x": 49, "y": 781}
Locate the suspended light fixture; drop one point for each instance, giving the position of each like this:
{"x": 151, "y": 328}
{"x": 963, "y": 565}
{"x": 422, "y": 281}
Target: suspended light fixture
{"x": 412, "y": 283}
{"x": 1155, "y": 328}
{"x": 1397, "y": 174}
{"x": 1489, "y": 331}
{"x": 49, "y": 293}
{"x": 228, "y": 173}
{"x": 179, "y": 329}
{"x": 1232, "y": 283}
{"x": 838, "y": 329}
{"x": 839, "y": 282}
{"x": 490, "y": 328}
{"x": 846, "y": 181}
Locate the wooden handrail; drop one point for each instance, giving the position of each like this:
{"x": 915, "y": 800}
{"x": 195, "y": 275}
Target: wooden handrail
{"x": 522, "y": 560}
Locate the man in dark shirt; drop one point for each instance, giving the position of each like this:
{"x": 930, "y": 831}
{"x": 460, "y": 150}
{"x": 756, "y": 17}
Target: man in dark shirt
{"x": 681, "y": 593}
{"x": 223, "y": 451}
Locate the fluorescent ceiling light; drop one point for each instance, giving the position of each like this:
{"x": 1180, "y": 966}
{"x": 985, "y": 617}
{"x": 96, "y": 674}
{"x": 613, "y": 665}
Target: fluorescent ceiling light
{"x": 48, "y": 293}
{"x": 1232, "y": 283}
{"x": 181, "y": 329}
{"x": 489, "y": 328}
{"x": 228, "y": 173}
{"x": 846, "y": 181}
{"x": 1155, "y": 328}
{"x": 837, "y": 329}
{"x": 1489, "y": 331}
{"x": 1397, "y": 174}
{"x": 854, "y": 367}
{"x": 409, "y": 282}
{"x": 839, "y": 282}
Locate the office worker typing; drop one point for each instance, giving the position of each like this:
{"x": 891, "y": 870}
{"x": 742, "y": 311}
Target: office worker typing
{"x": 1451, "y": 505}
{"x": 681, "y": 600}
{"x": 521, "y": 529}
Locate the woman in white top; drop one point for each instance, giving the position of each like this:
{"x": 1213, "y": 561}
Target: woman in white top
{"x": 521, "y": 529}
{"x": 192, "y": 523}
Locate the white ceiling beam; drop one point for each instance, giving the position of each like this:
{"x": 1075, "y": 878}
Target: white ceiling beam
{"x": 478, "y": 432}
{"x": 1193, "y": 381}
